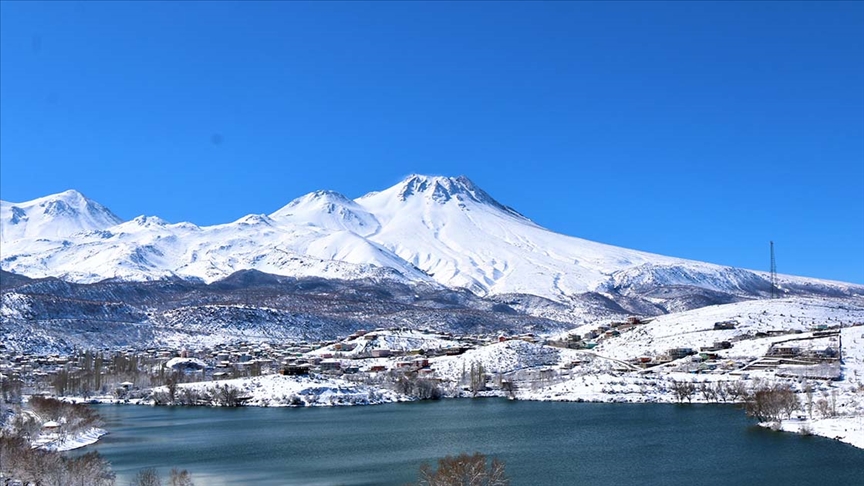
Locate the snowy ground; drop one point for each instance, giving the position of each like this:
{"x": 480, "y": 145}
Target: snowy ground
{"x": 394, "y": 340}
{"x": 845, "y": 429}
{"x": 284, "y": 391}
{"x": 59, "y": 442}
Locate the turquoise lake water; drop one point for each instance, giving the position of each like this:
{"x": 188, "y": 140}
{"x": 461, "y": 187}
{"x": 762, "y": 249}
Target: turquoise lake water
{"x": 540, "y": 442}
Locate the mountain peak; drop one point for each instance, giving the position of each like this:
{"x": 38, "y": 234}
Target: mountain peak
{"x": 70, "y": 194}
{"x": 320, "y": 197}
{"x": 440, "y": 188}
{"x": 314, "y": 201}
{"x": 327, "y": 209}
{"x": 60, "y": 214}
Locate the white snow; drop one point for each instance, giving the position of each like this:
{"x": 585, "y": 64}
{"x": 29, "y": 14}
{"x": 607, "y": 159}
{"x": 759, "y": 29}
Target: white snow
{"x": 848, "y": 429}
{"x": 498, "y": 358}
{"x": 424, "y": 229}
{"x": 185, "y": 363}
{"x": 56, "y": 216}
{"x": 52, "y": 441}
{"x": 695, "y": 328}
{"x": 284, "y": 391}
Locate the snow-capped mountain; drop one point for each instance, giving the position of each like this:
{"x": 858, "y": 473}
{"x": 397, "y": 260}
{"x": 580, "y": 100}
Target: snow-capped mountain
{"x": 425, "y": 229}
{"x": 56, "y": 216}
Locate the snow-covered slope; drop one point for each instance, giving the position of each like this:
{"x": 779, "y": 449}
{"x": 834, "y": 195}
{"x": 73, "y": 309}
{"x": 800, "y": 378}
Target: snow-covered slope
{"x": 695, "y": 328}
{"x": 56, "y": 216}
{"x": 440, "y": 229}
{"x": 147, "y": 248}
{"x": 329, "y": 210}
{"x": 459, "y": 235}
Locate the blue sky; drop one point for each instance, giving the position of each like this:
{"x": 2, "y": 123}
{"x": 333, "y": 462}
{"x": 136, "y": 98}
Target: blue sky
{"x": 691, "y": 129}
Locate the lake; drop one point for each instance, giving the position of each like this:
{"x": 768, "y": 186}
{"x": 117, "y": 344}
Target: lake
{"x": 540, "y": 442}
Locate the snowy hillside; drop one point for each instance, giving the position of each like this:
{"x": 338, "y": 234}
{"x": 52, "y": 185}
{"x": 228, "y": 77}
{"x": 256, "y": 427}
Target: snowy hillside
{"x": 695, "y": 328}
{"x": 424, "y": 229}
{"x": 52, "y": 315}
{"x": 57, "y": 216}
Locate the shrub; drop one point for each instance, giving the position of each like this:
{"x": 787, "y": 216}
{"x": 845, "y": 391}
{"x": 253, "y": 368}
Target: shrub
{"x": 464, "y": 470}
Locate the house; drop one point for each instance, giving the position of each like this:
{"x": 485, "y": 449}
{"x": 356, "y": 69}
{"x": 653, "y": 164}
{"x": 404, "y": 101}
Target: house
{"x": 731, "y": 324}
{"x": 330, "y": 365}
{"x": 381, "y": 353}
{"x": 678, "y": 353}
{"x": 784, "y": 351}
{"x": 295, "y": 370}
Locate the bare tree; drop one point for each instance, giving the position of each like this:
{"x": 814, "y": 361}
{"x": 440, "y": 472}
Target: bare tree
{"x": 737, "y": 391}
{"x": 683, "y": 390}
{"x": 771, "y": 402}
{"x": 91, "y": 469}
{"x": 33, "y": 466}
{"x": 171, "y": 384}
{"x": 147, "y": 477}
{"x": 823, "y": 408}
{"x": 478, "y": 378}
{"x": 808, "y": 393}
{"x": 464, "y": 470}
{"x": 721, "y": 391}
{"x": 180, "y": 478}
{"x": 413, "y": 385}
{"x": 227, "y": 396}
{"x": 709, "y": 392}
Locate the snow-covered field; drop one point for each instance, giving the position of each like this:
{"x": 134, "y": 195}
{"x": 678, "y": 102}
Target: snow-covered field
{"x": 285, "y": 391}
{"x": 848, "y": 429}
{"x": 59, "y": 442}
{"x": 695, "y": 328}
{"x": 393, "y": 340}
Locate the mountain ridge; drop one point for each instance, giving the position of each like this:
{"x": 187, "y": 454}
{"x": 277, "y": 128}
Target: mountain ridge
{"x": 445, "y": 230}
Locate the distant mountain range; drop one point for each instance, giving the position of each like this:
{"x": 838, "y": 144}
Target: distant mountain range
{"x": 439, "y": 235}
{"x": 424, "y": 229}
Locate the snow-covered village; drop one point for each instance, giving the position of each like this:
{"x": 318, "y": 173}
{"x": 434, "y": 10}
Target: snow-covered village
{"x": 718, "y": 354}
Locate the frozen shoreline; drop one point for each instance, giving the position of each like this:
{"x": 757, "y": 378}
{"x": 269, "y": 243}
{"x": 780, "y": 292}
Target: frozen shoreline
{"x": 847, "y": 429}
{"x": 58, "y": 443}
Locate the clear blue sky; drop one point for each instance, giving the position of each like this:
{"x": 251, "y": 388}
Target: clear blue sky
{"x": 691, "y": 129}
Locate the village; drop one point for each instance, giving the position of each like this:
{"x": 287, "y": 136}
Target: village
{"x": 383, "y": 355}
{"x": 811, "y": 353}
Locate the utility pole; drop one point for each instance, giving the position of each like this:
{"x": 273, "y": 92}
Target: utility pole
{"x": 773, "y": 272}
